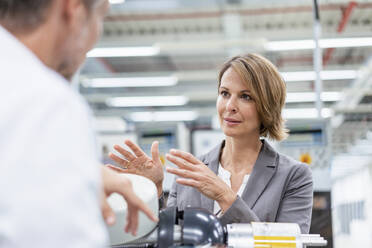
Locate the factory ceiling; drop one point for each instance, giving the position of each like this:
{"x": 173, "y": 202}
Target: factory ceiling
{"x": 182, "y": 44}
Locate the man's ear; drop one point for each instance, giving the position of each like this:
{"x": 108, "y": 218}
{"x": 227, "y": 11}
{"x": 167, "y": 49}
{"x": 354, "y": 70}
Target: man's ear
{"x": 74, "y": 12}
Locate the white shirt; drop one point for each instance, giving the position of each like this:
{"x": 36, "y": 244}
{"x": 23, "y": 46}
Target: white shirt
{"x": 225, "y": 175}
{"x": 49, "y": 171}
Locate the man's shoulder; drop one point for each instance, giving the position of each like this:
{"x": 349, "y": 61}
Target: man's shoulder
{"x": 25, "y": 78}
{"x": 47, "y": 86}
{"x": 55, "y": 85}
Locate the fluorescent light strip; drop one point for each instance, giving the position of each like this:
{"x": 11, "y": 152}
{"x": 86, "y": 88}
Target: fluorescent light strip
{"x": 102, "y": 124}
{"x": 346, "y": 42}
{"x": 305, "y": 113}
{"x": 289, "y": 45}
{"x": 130, "y": 82}
{"x": 323, "y": 43}
{"x": 147, "y": 101}
{"x": 173, "y": 80}
{"x": 330, "y": 96}
{"x": 325, "y": 75}
{"x": 116, "y": 1}
{"x": 164, "y": 116}
{"x": 123, "y": 52}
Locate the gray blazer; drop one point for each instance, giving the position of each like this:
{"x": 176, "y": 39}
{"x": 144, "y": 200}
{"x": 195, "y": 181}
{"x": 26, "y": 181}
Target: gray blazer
{"x": 279, "y": 189}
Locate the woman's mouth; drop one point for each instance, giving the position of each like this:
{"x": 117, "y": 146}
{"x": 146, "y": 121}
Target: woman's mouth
{"x": 231, "y": 121}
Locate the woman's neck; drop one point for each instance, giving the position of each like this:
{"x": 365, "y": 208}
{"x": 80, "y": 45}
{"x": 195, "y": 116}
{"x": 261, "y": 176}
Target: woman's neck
{"x": 240, "y": 155}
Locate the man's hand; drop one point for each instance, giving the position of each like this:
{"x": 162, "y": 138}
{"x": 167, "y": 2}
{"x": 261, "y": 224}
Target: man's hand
{"x": 118, "y": 183}
{"x": 139, "y": 163}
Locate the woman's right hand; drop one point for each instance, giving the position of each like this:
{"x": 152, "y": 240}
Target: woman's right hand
{"x": 139, "y": 163}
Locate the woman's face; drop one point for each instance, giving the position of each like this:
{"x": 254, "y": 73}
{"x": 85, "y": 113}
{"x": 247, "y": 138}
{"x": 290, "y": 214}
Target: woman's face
{"x": 236, "y": 109}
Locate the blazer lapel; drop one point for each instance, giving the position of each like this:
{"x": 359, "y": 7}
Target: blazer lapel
{"x": 212, "y": 161}
{"x": 263, "y": 170}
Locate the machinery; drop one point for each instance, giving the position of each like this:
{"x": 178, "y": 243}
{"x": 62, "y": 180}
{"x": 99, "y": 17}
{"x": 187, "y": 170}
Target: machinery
{"x": 196, "y": 227}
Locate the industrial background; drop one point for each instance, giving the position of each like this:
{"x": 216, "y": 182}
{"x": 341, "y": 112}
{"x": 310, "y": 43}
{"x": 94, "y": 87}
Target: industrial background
{"x": 153, "y": 76}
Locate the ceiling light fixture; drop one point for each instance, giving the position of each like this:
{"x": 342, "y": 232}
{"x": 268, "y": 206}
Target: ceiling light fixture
{"x": 147, "y": 101}
{"x": 325, "y": 75}
{"x": 164, "y": 116}
{"x": 330, "y": 96}
{"x": 109, "y": 123}
{"x": 323, "y": 43}
{"x": 116, "y": 1}
{"x": 129, "y": 82}
{"x": 102, "y": 52}
{"x": 305, "y": 113}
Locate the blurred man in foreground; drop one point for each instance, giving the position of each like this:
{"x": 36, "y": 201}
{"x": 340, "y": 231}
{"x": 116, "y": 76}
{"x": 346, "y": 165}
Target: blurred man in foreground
{"x": 51, "y": 184}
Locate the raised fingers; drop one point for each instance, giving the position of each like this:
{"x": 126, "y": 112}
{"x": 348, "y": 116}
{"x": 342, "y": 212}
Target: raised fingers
{"x": 184, "y": 155}
{"x": 188, "y": 182}
{"x": 124, "y": 152}
{"x": 115, "y": 168}
{"x": 155, "y": 151}
{"x": 124, "y": 163}
{"x": 136, "y": 149}
{"x": 181, "y": 163}
{"x": 127, "y": 170}
{"x": 183, "y": 173}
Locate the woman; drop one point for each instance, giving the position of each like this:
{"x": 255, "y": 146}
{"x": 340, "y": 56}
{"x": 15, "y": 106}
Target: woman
{"x": 243, "y": 179}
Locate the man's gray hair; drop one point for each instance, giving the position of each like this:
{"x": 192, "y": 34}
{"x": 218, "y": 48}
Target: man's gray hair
{"x": 25, "y": 15}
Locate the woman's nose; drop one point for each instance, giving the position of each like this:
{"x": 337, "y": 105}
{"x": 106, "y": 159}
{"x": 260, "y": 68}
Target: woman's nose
{"x": 231, "y": 105}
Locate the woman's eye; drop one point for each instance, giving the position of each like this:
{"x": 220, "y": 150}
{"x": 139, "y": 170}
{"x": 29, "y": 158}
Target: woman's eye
{"x": 224, "y": 93}
{"x": 246, "y": 97}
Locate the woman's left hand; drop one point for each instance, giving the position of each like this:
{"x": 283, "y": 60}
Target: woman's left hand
{"x": 194, "y": 173}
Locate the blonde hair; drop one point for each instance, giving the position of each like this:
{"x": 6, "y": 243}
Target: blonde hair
{"x": 268, "y": 90}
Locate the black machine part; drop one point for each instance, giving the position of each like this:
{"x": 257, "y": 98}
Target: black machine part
{"x": 202, "y": 227}
{"x": 167, "y": 220}
{"x": 199, "y": 227}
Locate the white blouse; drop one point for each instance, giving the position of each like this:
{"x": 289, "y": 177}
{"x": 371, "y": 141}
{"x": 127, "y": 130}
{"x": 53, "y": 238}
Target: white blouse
{"x": 225, "y": 175}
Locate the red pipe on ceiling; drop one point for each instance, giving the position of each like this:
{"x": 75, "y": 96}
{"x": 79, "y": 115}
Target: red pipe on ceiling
{"x": 346, "y": 13}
